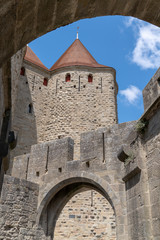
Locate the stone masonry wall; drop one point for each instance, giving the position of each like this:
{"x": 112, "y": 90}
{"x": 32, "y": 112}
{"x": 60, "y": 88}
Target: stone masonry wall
{"x": 81, "y": 108}
{"x": 49, "y": 162}
{"x": 152, "y": 158}
{"x": 152, "y": 90}
{"x": 88, "y": 216}
{"x": 1, "y": 99}
{"x": 23, "y": 124}
{"x": 18, "y": 205}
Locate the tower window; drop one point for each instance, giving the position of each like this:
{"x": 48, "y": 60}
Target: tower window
{"x": 45, "y": 81}
{"x": 30, "y": 108}
{"x": 22, "y": 72}
{"x": 68, "y": 77}
{"x": 158, "y": 80}
{"x": 90, "y": 78}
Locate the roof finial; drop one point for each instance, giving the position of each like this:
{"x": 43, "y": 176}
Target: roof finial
{"x": 77, "y": 32}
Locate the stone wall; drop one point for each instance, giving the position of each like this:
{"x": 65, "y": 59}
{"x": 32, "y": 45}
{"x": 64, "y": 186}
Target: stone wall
{"x": 135, "y": 181}
{"x": 88, "y": 216}
{"x": 49, "y": 162}
{"x": 22, "y": 123}
{"x": 152, "y": 90}
{"x": 152, "y": 158}
{"x": 49, "y": 158}
{"x": 18, "y": 206}
{"x": 1, "y": 99}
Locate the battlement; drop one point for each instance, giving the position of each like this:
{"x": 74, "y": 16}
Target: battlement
{"x": 44, "y": 158}
{"x": 56, "y": 157}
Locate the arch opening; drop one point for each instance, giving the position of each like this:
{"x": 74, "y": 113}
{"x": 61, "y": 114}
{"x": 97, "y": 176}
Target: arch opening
{"x": 87, "y": 215}
{"x": 53, "y": 204}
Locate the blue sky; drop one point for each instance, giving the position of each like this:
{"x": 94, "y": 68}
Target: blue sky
{"x": 127, "y": 44}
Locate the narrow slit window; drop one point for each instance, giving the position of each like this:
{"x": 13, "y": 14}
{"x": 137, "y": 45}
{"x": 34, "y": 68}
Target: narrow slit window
{"x": 158, "y": 80}
{"x": 90, "y": 78}
{"x": 68, "y": 77}
{"x": 45, "y": 81}
{"x": 22, "y": 72}
{"x": 30, "y": 108}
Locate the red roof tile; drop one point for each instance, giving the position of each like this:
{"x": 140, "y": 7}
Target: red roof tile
{"x": 30, "y": 56}
{"x": 75, "y": 55}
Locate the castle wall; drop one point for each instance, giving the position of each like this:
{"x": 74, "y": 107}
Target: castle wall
{"x": 58, "y": 154}
{"x": 152, "y": 159}
{"x": 152, "y": 90}
{"x": 59, "y": 109}
{"x": 18, "y": 208}
{"x": 139, "y": 190}
{"x": 23, "y": 123}
{"x": 88, "y": 216}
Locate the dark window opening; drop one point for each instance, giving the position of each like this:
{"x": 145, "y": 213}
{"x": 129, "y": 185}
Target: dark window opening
{"x": 87, "y": 164}
{"x": 158, "y": 80}
{"x": 37, "y": 174}
{"x": 30, "y": 108}
{"x": 90, "y": 78}
{"x": 68, "y": 77}
{"x": 45, "y": 81}
{"x": 22, "y": 72}
{"x": 60, "y": 169}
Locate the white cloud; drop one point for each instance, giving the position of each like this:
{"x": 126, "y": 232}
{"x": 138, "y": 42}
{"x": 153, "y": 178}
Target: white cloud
{"x": 146, "y": 53}
{"x": 132, "y": 94}
{"x": 129, "y": 20}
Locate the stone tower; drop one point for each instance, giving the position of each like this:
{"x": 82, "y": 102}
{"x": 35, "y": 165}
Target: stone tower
{"x": 76, "y": 95}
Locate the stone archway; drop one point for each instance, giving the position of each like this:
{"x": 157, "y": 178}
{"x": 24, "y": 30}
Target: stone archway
{"x": 59, "y": 192}
{"x": 24, "y": 21}
{"x": 86, "y": 216}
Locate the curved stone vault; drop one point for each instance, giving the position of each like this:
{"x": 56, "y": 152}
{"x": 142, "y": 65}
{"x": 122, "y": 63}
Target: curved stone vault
{"x": 24, "y": 21}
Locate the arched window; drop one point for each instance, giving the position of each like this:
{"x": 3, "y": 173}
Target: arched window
{"x": 22, "y": 72}
{"x": 45, "y": 81}
{"x": 68, "y": 77}
{"x": 30, "y": 108}
{"x": 90, "y": 78}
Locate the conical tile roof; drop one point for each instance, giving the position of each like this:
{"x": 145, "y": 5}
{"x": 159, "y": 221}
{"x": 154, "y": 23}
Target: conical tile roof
{"x": 30, "y": 56}
{"x": 76, "y": 55}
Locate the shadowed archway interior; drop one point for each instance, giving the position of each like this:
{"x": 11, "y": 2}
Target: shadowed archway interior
{"x": 58, "y": 201}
